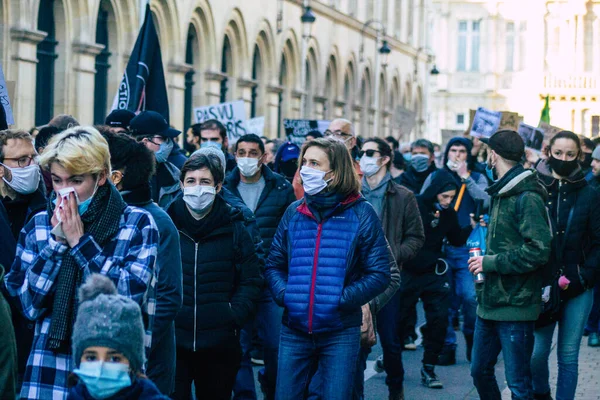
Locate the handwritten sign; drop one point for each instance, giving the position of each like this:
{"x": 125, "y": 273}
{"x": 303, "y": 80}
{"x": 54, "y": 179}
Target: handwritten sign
{"x": 485, "y": 122}
{"x": 5, "y": 99}
{"x": 297, "y": 129}
{"x": 532, "y": 136}
{"x": 510, "y": 120}
{"x": 232, "y": 115}
{"x": 256, "y": 126}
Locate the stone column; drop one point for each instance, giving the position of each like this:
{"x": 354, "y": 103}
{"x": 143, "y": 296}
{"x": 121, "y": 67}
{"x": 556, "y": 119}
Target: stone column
{"x": 245, "y": 86}
{"x": 339, "y": 109}
{"x": 23, "y": 72}
{"x": 84, "y": 69}
{"x": 176, "y": 92}
{"x": 295, "y": 108}
{"x": 319, "y": 107}
{"x": 213, "y": 87}
{"x": 272, "y": 113}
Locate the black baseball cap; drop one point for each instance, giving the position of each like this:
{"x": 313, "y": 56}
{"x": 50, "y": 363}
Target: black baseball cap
{"x": 507, "y": 144}
{"x": 119, "y": 119}
{"x": 149, "y": 123}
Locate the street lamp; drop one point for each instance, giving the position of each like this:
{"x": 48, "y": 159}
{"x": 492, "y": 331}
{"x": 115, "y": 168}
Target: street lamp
{"x": 434, "y": 70}
{"x": 385, "y": 51}
{"x": 308, "y": 18}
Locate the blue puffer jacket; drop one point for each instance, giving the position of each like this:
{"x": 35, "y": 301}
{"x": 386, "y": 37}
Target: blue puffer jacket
{"x": 322, "y": 273}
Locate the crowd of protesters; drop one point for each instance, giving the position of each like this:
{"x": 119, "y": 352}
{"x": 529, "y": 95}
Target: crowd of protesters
{"x": 133, "y": 268}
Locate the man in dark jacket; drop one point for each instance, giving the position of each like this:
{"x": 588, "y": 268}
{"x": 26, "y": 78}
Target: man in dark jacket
{"x": 132, "y": 166}
{"x": 214, "y": 133}
{"x": 21, "y": 197}
{"x": 150, "y": 128}
{"x": 593, "y": 177}
{"x": 518, "y": 245}
{"x": 470, "y": 199}
{"x": 268, "y": 195}
{"x": 425, "y": 276}
{"x": 421, "y": 166}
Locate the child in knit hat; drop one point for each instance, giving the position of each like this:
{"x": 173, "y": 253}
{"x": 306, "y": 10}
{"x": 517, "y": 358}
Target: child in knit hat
{"x": 108, "y": 345}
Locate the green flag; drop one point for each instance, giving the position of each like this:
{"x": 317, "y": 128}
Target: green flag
{"x": 545, "y": 117}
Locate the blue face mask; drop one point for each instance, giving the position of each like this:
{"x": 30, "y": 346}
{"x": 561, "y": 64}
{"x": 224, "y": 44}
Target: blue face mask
{"x": 490, "y": 173}
{"x": 211, "y": 144}
{"x": 103, "y": 379}
{"x": 164, "y": 151}
{"x": 407, "y": 156}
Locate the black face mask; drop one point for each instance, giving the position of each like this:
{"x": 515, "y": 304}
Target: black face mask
{"x": 563, "y": 168}
{"x": 587, "y": 161}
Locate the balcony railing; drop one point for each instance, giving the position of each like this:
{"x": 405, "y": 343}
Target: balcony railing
{"x": 570, "y": 82}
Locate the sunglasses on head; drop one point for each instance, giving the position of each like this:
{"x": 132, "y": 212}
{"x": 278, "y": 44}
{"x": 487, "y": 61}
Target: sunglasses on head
{"x": 369, "y": 153}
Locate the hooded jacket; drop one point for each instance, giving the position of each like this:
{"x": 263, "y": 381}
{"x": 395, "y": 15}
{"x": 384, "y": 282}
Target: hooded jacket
{"x": 437, "y": 229}
{"x": 413, "y": 180}
{"x": 518, "y": 246}
{"x": 165, "y": 184}
{"x": 581, "y": 254}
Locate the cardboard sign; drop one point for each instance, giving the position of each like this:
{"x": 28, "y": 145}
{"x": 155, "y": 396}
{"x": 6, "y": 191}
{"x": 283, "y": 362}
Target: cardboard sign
{"x": 5, "y": 99}
{"x": 532, "y": 137}
{"x": 485, "y": 123}
{"x": 510, "y": 120}
{"x": 549, "y": 130}
{"x": 297, "y": 129}
{"x": 404, "y": 120}
{"x": 232, "y": 115}
{"x": 256, "y": 126}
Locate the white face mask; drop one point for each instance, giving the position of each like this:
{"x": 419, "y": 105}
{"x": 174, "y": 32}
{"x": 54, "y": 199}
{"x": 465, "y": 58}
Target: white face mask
{"x": 313, "y": 180}
{"x": 248, "y": 166}
{"x": 199, "y": 198}
{"x": 370, "y": 165}
{"x": 24, "y": 180}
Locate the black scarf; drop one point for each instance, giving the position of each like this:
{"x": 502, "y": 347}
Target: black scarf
{"x": 512, "y": 173}
{"x": 101, "y": 221}
{"x": 198, "y": 229}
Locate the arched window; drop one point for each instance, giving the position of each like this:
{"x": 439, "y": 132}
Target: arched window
{"x": 102, "y": 67}
{"x": 366, "y": 103}
{"x": 283, "y": 77}
{"x": 257, "y": 77}
{"x": 192, "y": 38}
{"x": 46, "y": 55}
{"x": 226, "y": 69}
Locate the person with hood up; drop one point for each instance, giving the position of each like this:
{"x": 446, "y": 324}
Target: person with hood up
{"x": 459, "y": 162}
{"x": 425, "y": 275}
{"x": 518, "y": 246}
{"x": 108, "y": 346}
{"x": 286, "y": 163}
{"x": 593, "y": 177}
{"x": 572, "y": 205}
{"x": 421, "y": 166}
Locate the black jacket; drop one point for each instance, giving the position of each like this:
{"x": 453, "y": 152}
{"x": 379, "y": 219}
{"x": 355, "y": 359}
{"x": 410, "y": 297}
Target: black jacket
{"x": 437, "y": 229}
{"x": 221, "y": 276}
{"x": 582, "y": 242}
{"x": 413, "y": 180}
{"x": 277, "y": 195}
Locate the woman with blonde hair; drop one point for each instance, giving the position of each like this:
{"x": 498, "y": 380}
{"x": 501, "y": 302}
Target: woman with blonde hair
{"x": 329, "y": 257}
{"x": 87, "y": 228}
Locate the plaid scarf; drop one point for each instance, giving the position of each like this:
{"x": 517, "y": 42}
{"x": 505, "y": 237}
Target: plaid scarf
{"x": 101, "y": 221}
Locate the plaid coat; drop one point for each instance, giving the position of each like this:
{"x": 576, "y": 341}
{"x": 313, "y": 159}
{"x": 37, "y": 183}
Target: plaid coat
{"x": 128, "y": 259}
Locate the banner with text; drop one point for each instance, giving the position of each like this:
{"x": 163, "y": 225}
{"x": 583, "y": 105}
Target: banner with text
{"x": 485, "y": 122}
{"x": 256, "y": 126}
{"x": 5, "y": 99}
{"x": 532, "y": 136}
{"x": 297, "y": 129}
{"x": 232, "y": 115}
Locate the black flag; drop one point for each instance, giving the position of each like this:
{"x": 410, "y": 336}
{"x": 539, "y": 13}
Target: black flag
{"x": 143, "y": 85}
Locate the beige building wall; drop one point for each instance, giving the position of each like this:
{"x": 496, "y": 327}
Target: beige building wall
{"x": 527, "y": 50}
{"x": 340, "y": 82}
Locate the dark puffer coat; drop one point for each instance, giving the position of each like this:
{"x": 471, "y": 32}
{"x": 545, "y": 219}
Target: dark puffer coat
{"x": 277, "y": 195}
{"x": 221, "y": 276}
{"x": 581, "y": 255}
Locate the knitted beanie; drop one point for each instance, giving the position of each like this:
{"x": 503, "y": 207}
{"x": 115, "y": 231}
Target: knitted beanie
{"x": 596, "y": 153}
{"x": 214, "y": 151}
{"x": 107, "y": 319}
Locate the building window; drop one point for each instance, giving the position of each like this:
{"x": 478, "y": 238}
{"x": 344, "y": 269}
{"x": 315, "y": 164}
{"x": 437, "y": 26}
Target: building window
{"x": 352, "y": 5}
{"x": 522, "y": 45}
{"x": 46, "y": 55}
{"x": 102, "y": 67}
{"x": 226, "y": 65}
{"x": 588, "y": 41}
{"x": 257, "y": 78}
{"x": 189, "y": 78}
{"x": 468, "y": 45}
{"x": 510, "y": 46}
{"x": 398, "y": 18}
{"x": 460, "y": 119}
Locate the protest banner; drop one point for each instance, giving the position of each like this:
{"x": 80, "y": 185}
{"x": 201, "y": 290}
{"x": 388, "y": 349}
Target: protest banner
{"x": 485, "y": 122}
{"x": 510, "y": 120}
{"x": 297, "y": 129}
{"x": 5, "y": 99}
{"x": 232, "y": 115}
{"x": 256, "y": 126}
{"x": 404, "y": 120}
{"x": 549, "y": 131}
{"x": 532, "y": 137}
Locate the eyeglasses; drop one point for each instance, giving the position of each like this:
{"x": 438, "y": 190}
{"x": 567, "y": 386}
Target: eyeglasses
{"x": 369, "y": 153}
{"x": 150, "y": 139}
{"x": 337, "y": 133}
{"x": 24, "y": 161}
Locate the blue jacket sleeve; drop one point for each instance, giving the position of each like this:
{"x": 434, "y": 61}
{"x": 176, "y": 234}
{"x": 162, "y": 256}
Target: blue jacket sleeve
{"x": 276, "y": 270}
{"x": 373, "y": 261}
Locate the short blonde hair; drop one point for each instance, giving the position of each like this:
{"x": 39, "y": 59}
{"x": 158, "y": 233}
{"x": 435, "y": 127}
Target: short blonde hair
{"x": 80, "y": 150}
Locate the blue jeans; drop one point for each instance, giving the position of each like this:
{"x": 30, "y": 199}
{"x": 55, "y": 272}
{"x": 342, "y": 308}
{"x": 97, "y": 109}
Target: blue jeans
{"x": 268, "y": 323}
{"x": 515, "y": 340}
{"x": 570, "y": 331}
{"x": 334, "y": 354}
{"x": 463, "y": 289}
{"x": 593, "y": 322}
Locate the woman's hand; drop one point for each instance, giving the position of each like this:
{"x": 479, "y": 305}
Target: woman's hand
{"x": 72, "y": 225}
{"x": 475, "y": 223}
{"x": 531, "y": 157}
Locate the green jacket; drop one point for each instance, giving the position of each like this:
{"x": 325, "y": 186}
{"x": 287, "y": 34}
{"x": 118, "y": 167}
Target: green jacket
{"x": 518, "y": 245}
